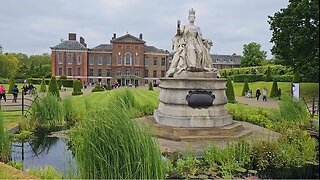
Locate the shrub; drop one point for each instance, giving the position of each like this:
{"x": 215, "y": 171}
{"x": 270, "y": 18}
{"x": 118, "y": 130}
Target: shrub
{"x": 248, "y": 77}
{"x": 67, "y": 83}
{"x": 150, "y": 86}
{"x": 274, "y": 89}
{"x": 59, "y": 84}
{"x": 245, "y": 88}
{"x": 283, "y": 78}
{"x": 53, "y": 87}
{"x": 43, "y": 87}
{"x": 5, "y": 150}
{"x": 97, "y": 88}
{"x": 296, "y": 78}
{"x": 230, "y": 92}
{"x": 63, "y": 77}
{"x": 77, "y": 86}
{"x": 268, "y": 75}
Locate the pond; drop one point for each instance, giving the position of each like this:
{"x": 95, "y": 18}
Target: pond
{"x": 44, "y": 151}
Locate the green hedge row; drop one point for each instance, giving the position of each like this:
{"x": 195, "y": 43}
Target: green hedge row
{"x": 248, "y": 77}
{"x": 275, "y": 70}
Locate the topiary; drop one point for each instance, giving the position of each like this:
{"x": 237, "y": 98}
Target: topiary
{"x": 77, "y": 86}
{"x": 268, "y": 75}
{"x": 150, "y": 86}
{"x": 43, "y": 87}
{"x": 230, "y": 92}
{"x": 53, "y": 87}
{"x": 97, "y": 89}
{"x": 245, "y": 88}
{"x": 274, "y": 89}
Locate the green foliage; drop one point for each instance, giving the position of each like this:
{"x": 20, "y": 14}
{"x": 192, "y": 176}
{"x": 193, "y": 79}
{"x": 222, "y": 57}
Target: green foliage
{"x": 274, "y": 89}
{"x": 293, "y": 110}
{"x": 245, "y": 88}
{"x": 150, "y": 86}
{"x": 77, "y": 86}
{"x": 109, "y": 145}
{"x": 8, "y": 65}
{"x": 17, "y": 165}
{"x": 296, "y": 78}
{"x": 109, "y": 85}
{"x": 63, "y": 77}
{"x": 11, "y": 84}
{"x": 248, "y": 77}
{"x": 43, "y": 87}
{"x": 296, "y": 37}
{"x": 252, "y": 55}
{"x": 59, "y": 83}
{"x": 230, "y": 92}
{"x": 268, "y": 75}
{"x": 97, "y": 88}
{"x": 68, "y": 110}
{"x": 5, "y": 145}
{"x": 49, "y": 172}
{"x": 53, "y": 87}
{"x": 67, "y": 82}
{"x": 283, "y": 78}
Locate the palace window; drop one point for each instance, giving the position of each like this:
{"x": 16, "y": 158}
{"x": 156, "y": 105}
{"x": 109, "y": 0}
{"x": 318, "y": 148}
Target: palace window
{"x": 136, "y": 60}
{"x": 69, "y": 59}
{"x": 108, "y": 59}
{"x": 136, "y": 72}
{"x": 59, "y": 58}
{"x": 69, "y": 72}
{"x": 108, "y": 73}
{"x": 146, "y": 61}
{"x": 163, "y": 74}
{"x": 100, "y": 60}
{"x": 99, "y": 72}
{"x": 60, "y": 71}
{"x": 91, "y": 60}
{"x": 90, "y": 72}
{"x": 79, "y": 60}
{"x": 155, "y": 61}
{"x": 146, "y": 73}
{"x": 128, "y": 59}
{"x": 163, "y": 61}
{"x": 154, "y": 74}
{"x": 79, "y": 72}
{"x": 119, "y": 58}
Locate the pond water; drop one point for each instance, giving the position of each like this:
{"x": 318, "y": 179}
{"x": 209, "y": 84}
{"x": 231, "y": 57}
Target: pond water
{"x": 45, "y": 151}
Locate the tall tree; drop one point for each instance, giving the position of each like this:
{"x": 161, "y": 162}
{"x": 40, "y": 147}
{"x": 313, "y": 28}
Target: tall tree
{"x": 252, "y": 55}
{"x": 296, "y": 37}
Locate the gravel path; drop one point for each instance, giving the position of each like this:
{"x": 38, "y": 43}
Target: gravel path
{"x": 270, "y": 103}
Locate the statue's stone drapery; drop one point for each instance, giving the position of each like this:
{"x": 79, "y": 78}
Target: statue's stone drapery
{"x": 191, "y": 51}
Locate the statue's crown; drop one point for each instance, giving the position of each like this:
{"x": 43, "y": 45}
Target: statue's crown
{"x": 192, "y": 12}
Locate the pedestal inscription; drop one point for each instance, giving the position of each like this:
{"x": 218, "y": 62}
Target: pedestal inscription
{"x": 200, "y": 99}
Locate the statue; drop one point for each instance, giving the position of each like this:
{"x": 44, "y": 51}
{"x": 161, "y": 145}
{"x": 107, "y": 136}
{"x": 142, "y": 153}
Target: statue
{"x": 191, "y": 52}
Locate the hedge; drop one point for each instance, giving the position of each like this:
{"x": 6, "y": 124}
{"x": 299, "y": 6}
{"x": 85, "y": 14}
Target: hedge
{"x": 283, "y": 78}
{"x": 275, "y": 70}
{"x": 97, "y": 89}
{"x": 248, "y": 77}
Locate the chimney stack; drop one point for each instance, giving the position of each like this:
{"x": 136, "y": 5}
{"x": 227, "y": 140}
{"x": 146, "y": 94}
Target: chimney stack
{"x": 140, "y": 36}
{"x": 72, "y": 36}
{"x": 114, "y": 36}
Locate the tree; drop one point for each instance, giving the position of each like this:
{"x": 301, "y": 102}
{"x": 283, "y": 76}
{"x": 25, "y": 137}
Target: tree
{"x": 53, "y": 87}
{"x": 268, "y": 75}
{"x": 43, "y": 87}
{"x": 245, "y": 88}
{"x": 295, "y": 34}
{"x": 150, "y": 86}
{"x": 274, "y": 89}
{"x": 230, "y": 92}
{"x": 252, "y": 55}
{"x": 11, "y": 84}
{"x": 77, "y": 86}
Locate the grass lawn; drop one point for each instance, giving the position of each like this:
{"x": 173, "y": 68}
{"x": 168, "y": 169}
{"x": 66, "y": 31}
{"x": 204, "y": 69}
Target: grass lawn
{"x": 306, "y": 89}
{"x": 8, "y": 172}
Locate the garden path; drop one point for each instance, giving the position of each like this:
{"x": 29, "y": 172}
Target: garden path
{"x": 270, "y": 103}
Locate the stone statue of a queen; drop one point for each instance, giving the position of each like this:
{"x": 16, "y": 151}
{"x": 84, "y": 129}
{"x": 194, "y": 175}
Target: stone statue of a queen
{"x": 191, "y": 51}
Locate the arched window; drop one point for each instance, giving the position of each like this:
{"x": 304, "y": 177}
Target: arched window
{"x": 128, "y": 59}
{"x": 119, "y": 58}
{"x": 136, "y": 60}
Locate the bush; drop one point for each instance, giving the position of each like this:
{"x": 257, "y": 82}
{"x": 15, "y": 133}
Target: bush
{"x": 283, "y": 78}
{"x": 150, "y": 86}
{"x": 97, "y": 89}
{"x": 296, "y": 78}
{"x": 63, "y": 77}
{"x": 230, "y": 92}
{"x": 248, "y": 77}
{"x": 67, "y": 83}
{"x": 274, "y": 89}
{"x": 77, "y": 86}
{"x": 43, "y": 87}
{"x": 53, "y": 87}
{"x": 245, "y": 88}
{"x": 268, "y": 75}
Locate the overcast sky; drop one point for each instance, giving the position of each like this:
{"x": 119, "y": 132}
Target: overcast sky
{"x": 33, "y": 26}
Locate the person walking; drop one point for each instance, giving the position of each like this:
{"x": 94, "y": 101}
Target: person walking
{"x": 3, "y": 93}
{"x": 15, "y": 92}
{"x": 258, "y": 93}
{"x": 264, "y": 94}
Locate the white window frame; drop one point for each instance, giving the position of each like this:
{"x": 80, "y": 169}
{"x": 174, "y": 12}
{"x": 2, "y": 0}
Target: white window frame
{"x": 99, "y": 60}
{"x": 125, "y": 59}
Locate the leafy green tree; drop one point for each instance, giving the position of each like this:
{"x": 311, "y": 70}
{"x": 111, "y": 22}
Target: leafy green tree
{"x": 295, "y": 34}
{"x": 252, "y": 55}
{"x": 230, "y": 92}
{"x": 53, "y": 87}
{"x": 268, "y": 75}
{"x": 296, "y": 78}
{"x": 150, "y": 86}
{"x": 274, "y": 89}
{"x": 8, "y": 65}
{"x": 77, "y": 86}
{"x": 11, "y": 84}
{"x": 43, "y": 87}
{"x": 245, "y": 88}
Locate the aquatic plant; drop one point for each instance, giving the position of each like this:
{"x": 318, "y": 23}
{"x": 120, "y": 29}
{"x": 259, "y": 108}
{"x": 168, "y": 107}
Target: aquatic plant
{"x": 5, "y": 148}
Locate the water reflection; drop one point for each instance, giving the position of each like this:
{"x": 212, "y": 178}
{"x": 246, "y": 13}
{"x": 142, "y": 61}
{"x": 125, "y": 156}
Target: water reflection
{"x": 44, "y": 151}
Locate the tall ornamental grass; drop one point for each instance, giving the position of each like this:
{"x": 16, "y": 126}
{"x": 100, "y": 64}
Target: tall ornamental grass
{"x": 5, "y": 146}
{"x": 293, "y": 110}
{"x": 108, "y": 144}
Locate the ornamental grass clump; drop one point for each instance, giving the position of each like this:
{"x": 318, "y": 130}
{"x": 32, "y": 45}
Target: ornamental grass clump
{"x": 5, "y": 145}
{"x": 293, "y": 110}
{"x": 108, "y": 144}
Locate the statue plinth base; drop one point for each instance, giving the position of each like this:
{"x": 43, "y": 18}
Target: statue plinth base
{"x": 193, "y": 103}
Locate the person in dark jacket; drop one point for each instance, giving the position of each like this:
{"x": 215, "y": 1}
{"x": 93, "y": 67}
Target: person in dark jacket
{"x": 258, "y": 93}
{"x": 15, "y": 92}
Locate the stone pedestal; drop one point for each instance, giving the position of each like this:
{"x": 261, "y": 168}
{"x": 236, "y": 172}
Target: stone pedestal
{"x": 175, "y": 109}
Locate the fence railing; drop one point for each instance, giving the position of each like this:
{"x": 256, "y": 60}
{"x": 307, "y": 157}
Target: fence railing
{"x": 312, "y": 105}
{"x": 23, "y": 103}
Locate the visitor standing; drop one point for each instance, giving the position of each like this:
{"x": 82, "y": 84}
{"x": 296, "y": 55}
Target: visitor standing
{"x": 3, "y": 93}
{"x": 258, "y": 93}
{"x": 15, "y": 92}
{"x": 30, "y": 88}
{"x": 279, "y": 93}
{"x": 25, "y": 89}
{"x": 264, "y": 94}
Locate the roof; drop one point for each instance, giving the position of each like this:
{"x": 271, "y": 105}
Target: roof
{"x": 103, "y": 47}
{"x": 225, "y": 59}
{"x": 152, "y": 49}
{"x": 70, "y": 45}
{"x": 128, "y": 38}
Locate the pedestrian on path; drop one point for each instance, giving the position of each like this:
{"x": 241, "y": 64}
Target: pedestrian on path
{"x": 258, "y": 93}
{"x": 264, "y": 94}
{"x": 15, "y": 92}
{"x": 279, "y": 93}
{"x": 3, "y": 93}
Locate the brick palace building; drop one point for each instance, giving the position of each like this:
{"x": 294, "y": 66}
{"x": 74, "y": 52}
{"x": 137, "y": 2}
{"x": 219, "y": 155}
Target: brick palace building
{"x": 126, "y": 60}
